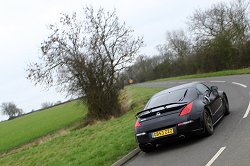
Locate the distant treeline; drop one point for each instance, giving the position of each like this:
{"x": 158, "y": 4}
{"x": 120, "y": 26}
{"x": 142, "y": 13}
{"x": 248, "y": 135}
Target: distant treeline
{"x": 217, "y": 38}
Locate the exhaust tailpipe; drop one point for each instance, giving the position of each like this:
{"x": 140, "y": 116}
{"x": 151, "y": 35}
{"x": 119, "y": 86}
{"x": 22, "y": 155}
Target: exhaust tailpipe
{"x": 182, "y": 136}
{"x": 149, "y": 145}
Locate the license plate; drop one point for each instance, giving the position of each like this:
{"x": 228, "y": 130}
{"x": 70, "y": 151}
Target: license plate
{"x": 164, "y": 132}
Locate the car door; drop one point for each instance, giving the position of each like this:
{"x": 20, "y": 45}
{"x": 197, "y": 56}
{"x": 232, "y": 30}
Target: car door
{"x": 213, "y": 99}
{"x": 217, "y": 102}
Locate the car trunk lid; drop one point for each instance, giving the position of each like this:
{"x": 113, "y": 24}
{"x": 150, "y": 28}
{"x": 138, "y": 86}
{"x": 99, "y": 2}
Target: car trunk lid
{"x": 160, "y": 116}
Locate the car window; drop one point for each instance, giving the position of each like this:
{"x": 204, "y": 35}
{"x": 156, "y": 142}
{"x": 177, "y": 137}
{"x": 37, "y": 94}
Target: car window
{"x": 202, "y": 88}
{"x": 172, "y": 97}
{"x": 166, "y": 98}
{"x": 192, "y": 94}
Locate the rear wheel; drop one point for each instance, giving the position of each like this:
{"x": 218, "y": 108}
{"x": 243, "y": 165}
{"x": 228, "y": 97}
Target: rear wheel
{"x": 146, "y": 148}
{"x": 208, "y": 123}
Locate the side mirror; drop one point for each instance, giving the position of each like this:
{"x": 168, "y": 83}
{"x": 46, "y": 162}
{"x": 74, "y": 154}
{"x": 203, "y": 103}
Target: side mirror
{"x": 214, "y": 88}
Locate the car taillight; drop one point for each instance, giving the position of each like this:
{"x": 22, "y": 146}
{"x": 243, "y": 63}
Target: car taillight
{"x": 186, "y": 110}
{"x": 137, "y": 124}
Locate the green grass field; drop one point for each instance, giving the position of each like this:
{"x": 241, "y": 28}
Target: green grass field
{"x": 99, "y": 144}
{"x": 27, "y": 128}
{"x": 203, "y": 75}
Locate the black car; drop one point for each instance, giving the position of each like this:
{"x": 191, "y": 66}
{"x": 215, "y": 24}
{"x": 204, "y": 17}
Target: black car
{"x": 184, "y": 110}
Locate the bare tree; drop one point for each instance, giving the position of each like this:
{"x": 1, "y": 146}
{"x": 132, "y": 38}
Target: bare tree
{"x": 11, "y": 110}
{"x": 142, "y": 69}
{"x": 221, "y": 34}
{"x": 222, "y": 19}
{"x": 85, "y": 56}
{"x": 178, "y": 44}
{"x": 208, "y": 23}
{"x": 219, "y": 40}
{"x": 47, "y": 104}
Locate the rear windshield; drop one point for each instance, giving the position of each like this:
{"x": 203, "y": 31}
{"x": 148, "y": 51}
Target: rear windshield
{"x": 172, "y": 97}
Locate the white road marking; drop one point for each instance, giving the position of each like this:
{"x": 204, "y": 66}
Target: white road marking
{"x": 215, "y": 156}
{"x": 248, "y": 109}
{"x": 236, "y": 83}
{"x": 217, "y": 81}
{"x": 198, "y": 81}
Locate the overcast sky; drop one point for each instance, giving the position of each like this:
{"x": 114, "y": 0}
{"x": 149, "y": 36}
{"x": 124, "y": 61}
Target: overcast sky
{"x": 23, "y": 27}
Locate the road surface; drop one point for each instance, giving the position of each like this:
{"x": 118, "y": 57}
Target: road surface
{"x": 228, "y": 146}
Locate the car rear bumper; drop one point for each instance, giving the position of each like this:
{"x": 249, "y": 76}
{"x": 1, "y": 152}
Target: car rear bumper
{"x": 181, "y": 130}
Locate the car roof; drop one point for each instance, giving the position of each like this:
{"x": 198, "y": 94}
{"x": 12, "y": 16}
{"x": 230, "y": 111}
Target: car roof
{"x": 183, "y": 86}
{"x": 173, "y": 94}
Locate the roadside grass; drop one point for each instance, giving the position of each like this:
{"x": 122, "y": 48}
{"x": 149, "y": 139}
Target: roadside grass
{"x": 27, "y": 128}
{"x": 203, "y": 75}
{"x": 100, "y": 144}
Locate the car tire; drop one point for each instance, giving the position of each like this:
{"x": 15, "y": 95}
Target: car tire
{"x": 146, "y": 148}
{"x": 226, "y": 106}
{"x": 208, "y": 123}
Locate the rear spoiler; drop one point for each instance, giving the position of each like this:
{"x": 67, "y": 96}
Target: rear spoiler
{"x": 165, "y": 105}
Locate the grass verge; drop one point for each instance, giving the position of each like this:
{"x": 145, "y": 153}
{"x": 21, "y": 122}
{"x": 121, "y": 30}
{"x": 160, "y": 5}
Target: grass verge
{"x": 100, "y": 144}
{"x": 27, "y": 128}
{"x": 203, "y": 75}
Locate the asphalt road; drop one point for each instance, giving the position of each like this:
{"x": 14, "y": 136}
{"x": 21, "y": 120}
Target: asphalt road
{"x": 228, "y": 146}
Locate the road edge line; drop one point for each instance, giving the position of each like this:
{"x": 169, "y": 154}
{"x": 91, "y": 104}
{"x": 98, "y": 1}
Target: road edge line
{"x": 247, "y": 111}
{"x": 218, "y": 81}
{"x": 216, "y": 156}
{"x": 126, "y": 158}
{"x": 236, "y": 83}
